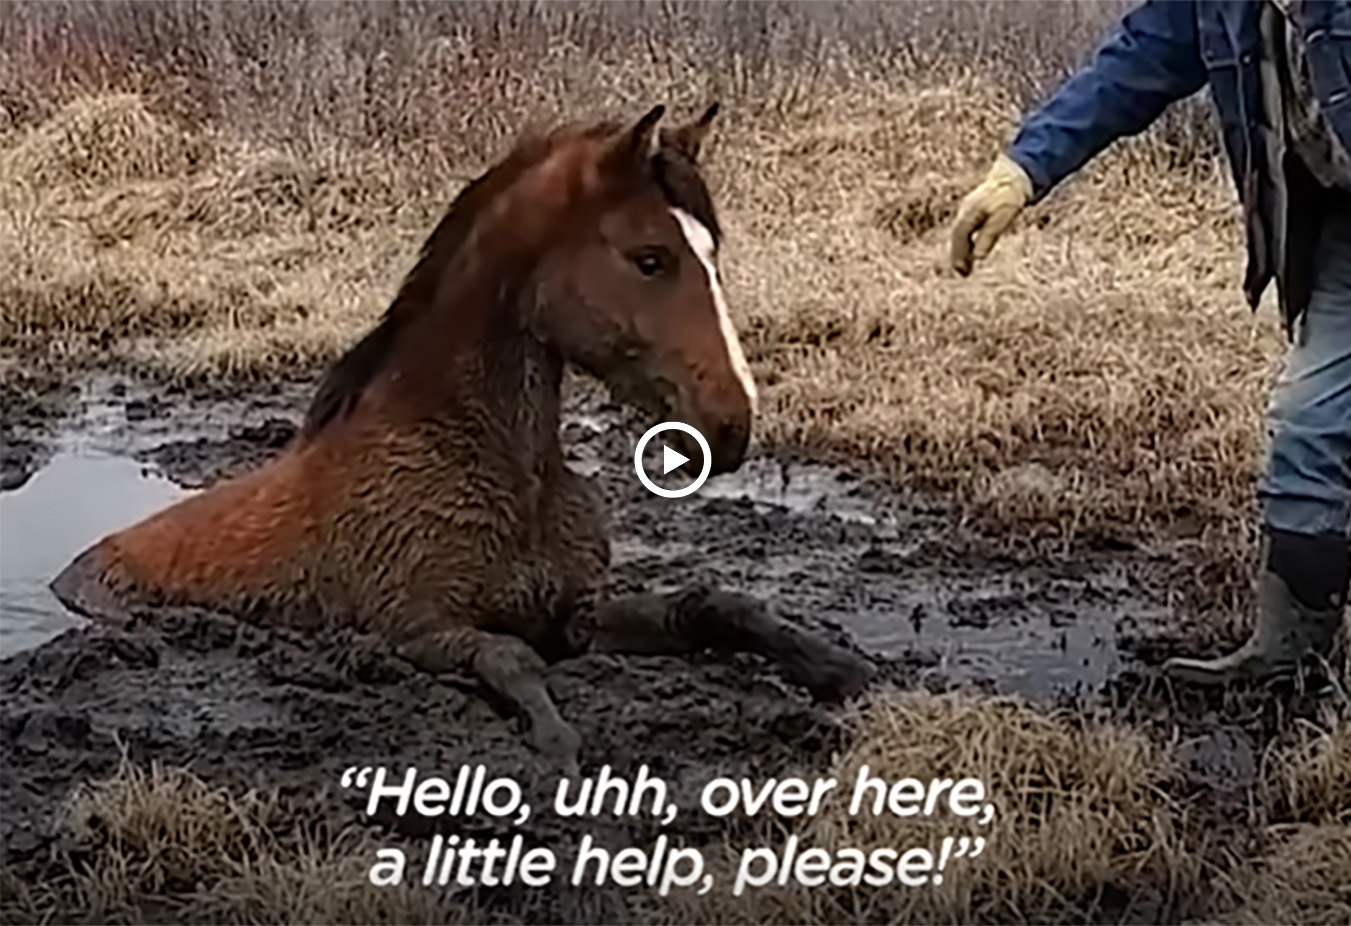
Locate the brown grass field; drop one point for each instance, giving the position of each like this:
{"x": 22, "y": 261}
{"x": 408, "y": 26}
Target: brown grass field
{"x": 201, "y": 191}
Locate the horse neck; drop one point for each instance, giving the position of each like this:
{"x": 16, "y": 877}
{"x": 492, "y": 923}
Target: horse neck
{"x": 476, "y": 371}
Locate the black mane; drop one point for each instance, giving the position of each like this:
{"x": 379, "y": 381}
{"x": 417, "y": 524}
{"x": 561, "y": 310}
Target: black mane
{"x": 349, "y": 376}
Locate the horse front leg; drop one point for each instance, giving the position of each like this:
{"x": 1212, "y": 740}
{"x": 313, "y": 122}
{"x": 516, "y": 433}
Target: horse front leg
{"x": 510, "y": 668}
{"x": 698, "y": 618}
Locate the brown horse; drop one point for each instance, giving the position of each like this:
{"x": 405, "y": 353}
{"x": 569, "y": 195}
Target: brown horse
{"x": 427, "y": 499}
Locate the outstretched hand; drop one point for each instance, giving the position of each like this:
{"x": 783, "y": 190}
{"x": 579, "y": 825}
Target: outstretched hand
{"x": 987, "y": 212}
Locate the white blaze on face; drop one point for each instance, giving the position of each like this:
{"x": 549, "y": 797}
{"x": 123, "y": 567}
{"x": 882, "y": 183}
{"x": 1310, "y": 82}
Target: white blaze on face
{"x": 701, "y": 243}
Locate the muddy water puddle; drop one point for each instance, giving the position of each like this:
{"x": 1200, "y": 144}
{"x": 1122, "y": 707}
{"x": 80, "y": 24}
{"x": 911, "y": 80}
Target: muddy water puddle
{"x": 800, "y": 488}
{"x": 823, "y": 545}
{"x": 94, "y": 479}
{"x": 71, "y": 502}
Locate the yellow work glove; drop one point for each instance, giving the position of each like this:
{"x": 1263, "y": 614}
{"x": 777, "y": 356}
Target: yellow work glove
{"x": 988, "y": 211}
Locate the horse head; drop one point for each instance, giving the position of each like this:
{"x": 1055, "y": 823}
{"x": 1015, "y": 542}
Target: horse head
{"x": 631, "y": 293}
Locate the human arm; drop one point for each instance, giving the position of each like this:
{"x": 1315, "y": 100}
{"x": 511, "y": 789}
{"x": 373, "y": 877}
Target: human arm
{"x": 1150, "y": 60}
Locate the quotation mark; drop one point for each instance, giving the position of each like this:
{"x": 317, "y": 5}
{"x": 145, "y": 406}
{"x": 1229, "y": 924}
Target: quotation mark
{"x": 362, "y": 777}
{"x": 966, "y": 845}
{"x": 961, "y": 847}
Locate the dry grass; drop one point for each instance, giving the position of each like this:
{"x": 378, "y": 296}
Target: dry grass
{"x": 1311, "y": 782}
{"x": 1084, "y": 829}
{"x": 243, "y": 260}
{"x": 1097, "y": 374}
{"x": 1304, "y": 880}
{"x": 163, "y": 845}
{"x": 1304, "y": 873}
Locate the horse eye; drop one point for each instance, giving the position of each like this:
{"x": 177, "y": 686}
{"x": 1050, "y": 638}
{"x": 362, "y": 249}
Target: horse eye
{"x": 650, "y": 263}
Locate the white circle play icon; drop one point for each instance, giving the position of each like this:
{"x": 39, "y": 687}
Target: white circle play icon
{"x": 672, "y": 459}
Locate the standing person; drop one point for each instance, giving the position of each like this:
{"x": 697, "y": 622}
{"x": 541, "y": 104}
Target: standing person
{"x": 1280, "y": 77}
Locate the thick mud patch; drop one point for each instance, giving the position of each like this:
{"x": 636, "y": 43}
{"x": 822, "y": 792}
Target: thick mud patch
{"x": 824, "y": 545}
{"x": 34, "y": 404}
{"x": 252, "y": 708}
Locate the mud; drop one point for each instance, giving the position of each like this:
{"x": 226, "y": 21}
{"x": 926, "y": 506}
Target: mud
{"x": 254, "y": 708}
{"x": 34, "y": 402}
{"x": 894, "y": 575}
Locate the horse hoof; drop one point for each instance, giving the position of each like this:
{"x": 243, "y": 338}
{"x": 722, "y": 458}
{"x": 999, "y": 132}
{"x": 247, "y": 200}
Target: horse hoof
{"x": 556, "y": 740}
{"x": 835, "y": 675}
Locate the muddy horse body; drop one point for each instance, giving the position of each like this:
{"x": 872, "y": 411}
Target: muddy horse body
{"x": 427, "y": 498}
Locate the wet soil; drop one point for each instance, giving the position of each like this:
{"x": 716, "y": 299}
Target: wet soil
{"x": 896, "y": 576}
{"x": 252, "y": 708}
{"x": 33, "y": 404}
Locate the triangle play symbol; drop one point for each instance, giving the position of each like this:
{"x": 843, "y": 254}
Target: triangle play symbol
{"x": 671, "y": 459}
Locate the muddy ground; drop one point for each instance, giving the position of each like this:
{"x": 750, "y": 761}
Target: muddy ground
{"x": 897, "y": 576}
{"x": 34, "y": 403}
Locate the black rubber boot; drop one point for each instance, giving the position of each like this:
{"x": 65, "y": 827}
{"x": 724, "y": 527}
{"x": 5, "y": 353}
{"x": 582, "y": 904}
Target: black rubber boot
{"x": 1301, "y": 602}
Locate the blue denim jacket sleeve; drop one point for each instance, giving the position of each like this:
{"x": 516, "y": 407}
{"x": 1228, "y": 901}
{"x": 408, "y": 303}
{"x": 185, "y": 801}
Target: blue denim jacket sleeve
{"x": 1151, "y": 60}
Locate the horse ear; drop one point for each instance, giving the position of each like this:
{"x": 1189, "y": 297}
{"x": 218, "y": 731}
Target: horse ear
{"x": 688, "y": 139}
{"x": 633, "y": 150}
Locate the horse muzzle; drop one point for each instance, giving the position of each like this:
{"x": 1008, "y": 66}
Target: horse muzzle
{"x": 727, "y": 441}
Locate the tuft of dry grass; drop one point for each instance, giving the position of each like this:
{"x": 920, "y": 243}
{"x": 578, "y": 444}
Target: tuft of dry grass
{"x": 164, "y": 845}
{"x": 1305, "y": 879}
{"x": 1303, "y": 875}
{"x": 100, "y": 140}
{"x": 1311, "y": 782}
{"x": 1084, "y": 826}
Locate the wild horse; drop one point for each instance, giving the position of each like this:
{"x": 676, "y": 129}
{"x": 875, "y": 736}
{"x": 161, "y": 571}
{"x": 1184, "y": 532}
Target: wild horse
{"x": 426, "y": 498}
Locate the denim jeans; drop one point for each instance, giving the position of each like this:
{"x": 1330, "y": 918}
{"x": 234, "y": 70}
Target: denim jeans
{"x": 1306, "y": 488}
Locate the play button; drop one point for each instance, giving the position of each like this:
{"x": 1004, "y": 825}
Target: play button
{"x": 672, "y": 460}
